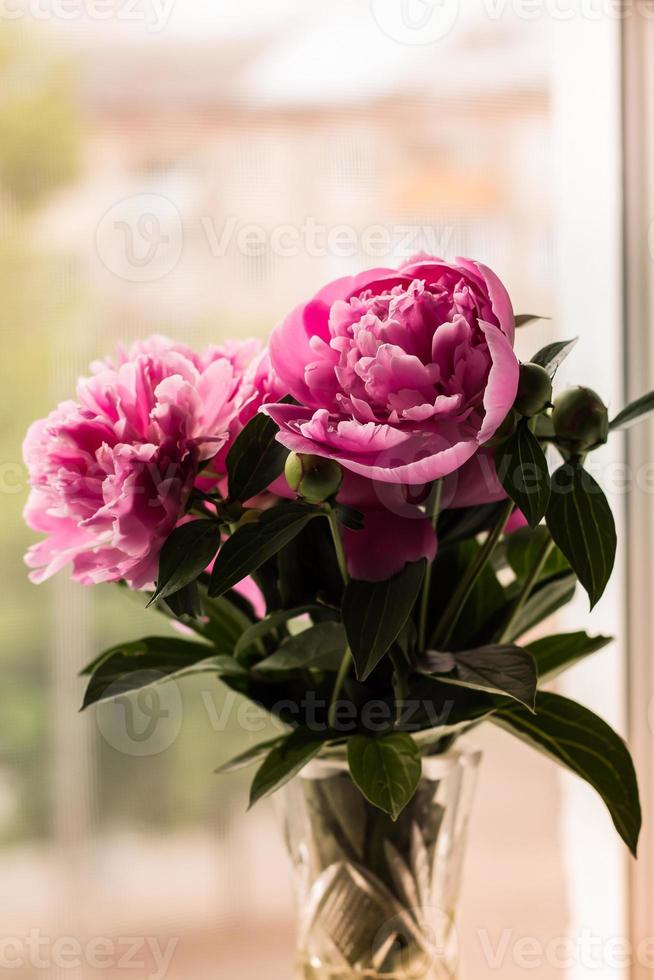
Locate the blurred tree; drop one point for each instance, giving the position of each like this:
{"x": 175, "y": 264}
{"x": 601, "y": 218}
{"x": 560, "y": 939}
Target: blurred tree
{"x": 39, "y": 122}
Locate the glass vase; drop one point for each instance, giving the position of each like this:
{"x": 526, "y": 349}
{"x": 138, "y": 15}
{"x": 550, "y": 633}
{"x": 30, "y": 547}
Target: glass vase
{"x": 378, "y": 898}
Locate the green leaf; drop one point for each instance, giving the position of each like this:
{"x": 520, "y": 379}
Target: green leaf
{"x": 249, "y": 757}
{"x": 497, "y": 669}
{"x": 253, "y": 544}
{"x": 582, "y": 525}
{"x": 258, "y": 631}
{"x": 375, "y": 612}
{"x": 522, "y": 319}
{"x": 387, "y": 769}
{"x": 553, "y": 355}
{"x": 554, "y": 654}
{"x": 636, "y": 411}
{"x": 486, "y": 597}
{"x": 522, "y": 471}
{"x": 152, "y": 660}
{"x": 186, "y": 602}
{"x": 348, "y": 517}
{"x": 319, "y": 647}
{"x": 185, "y": 554}
{"x": 285, "y": 760}
{"x": 255, "y": 459}
{"x": 443, "y": 709}
{"x": 548, "y": 597}
{"x": 523, "y": 548}
{"x": 579, "y": 740}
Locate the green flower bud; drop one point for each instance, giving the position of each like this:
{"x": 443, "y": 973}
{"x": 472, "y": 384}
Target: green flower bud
{"x": 581, "y": 420}
{"x": 504, "y": 430}
{"x": 534, "y": 390}
{"x": 313, "y": 477}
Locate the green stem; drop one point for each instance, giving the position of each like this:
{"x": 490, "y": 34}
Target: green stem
{"x": 338, "y": 544}
{"x": 346, "y": 662}
{"x": 527, "y": 587}
{"x": 341, "y": 677}
{"x": 455, "y": 606}
{"x": 433, "y": 509}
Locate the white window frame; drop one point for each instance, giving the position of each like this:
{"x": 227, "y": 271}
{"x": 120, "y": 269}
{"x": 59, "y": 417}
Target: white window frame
{"x": 638, "y": 184}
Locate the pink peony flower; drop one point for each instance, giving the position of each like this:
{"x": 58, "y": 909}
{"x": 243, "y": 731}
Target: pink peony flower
{"x": 401, "y": 375}
{"x": 111, "y": 472}
{"x": 395, "y": 530}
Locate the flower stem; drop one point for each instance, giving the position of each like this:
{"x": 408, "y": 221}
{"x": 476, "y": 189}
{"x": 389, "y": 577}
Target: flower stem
{"x": 527, "y": 587}
{"x": 461, "y": 594}
{"x": 433, "y": 509}
{"x": 338, "y": 544}
{"x": 346, "y": 662}
{"x": 341, "y": 677}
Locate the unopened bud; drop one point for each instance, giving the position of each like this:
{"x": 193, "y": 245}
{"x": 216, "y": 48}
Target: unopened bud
{"x": 534, "y": 390}
{"x": 313, "y": 477}
{"x": 581, "y": 420}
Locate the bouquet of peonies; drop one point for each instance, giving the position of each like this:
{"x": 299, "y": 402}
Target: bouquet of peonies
{"x": 361, "y": 525}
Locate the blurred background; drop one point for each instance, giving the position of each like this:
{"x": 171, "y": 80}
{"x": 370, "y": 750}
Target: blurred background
{"x": 195, "y": 169}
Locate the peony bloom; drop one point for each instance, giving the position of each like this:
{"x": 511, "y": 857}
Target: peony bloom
{"x": 395, "y": 531}
{"x": 401, "y": 375}
{"x": 111, "y": 472}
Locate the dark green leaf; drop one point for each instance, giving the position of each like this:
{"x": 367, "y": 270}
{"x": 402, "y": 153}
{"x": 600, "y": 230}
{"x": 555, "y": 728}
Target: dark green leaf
{"x": 375, "y": 612}
{"x": 549, "y": 596}
{"x": 226, "y": 622}
{"x": 249, "y": 757}
{"x": 522, "y": 471}
{"x": 253, "y": 544}
{"x": 523, "y": 548}
{"x": 636, "y": 411}
{"x": 486, "y": 597}
{"x": 255, "y": 459}
{"x": 460, "y": 523}
{"x": 522, "y": 319}
{"x": 186, "y": 602}
{"x": 319, "y": 647}
{"x": 386, "y": 769}
{"x": 553, "y": 355}
{"x": 258, "y": 631}
{"x": 348, "y": 517}
{"x": 443, "y": 708}
{"x": 582, "y": 525}
{"x": 582, "y": 742}
{"x": 497, "y": 669}
{"x": 308, "y": 568}
{"x": 285, "y": 760}
{"x": 185, "y": 554}
{"x": 130, "y": 666}
{"x": 556, "y": 653}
